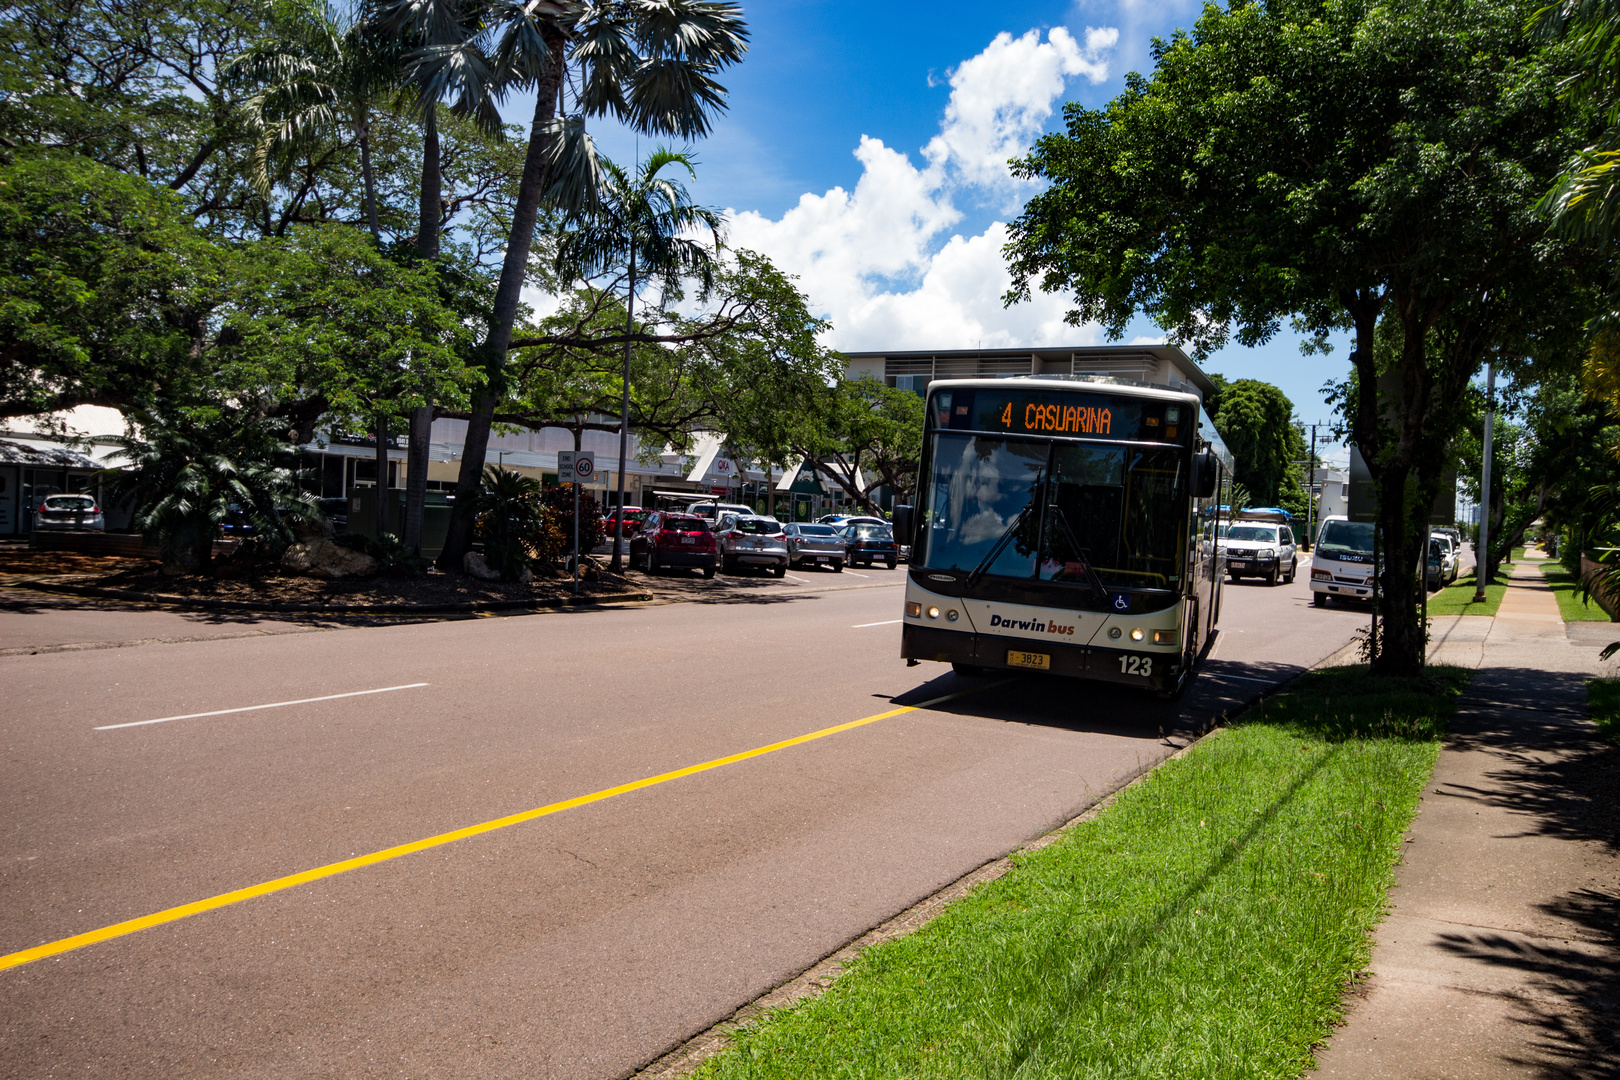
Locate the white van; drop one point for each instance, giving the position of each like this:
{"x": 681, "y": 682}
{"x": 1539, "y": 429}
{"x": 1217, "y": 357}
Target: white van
{"x": 1342, "y": 564}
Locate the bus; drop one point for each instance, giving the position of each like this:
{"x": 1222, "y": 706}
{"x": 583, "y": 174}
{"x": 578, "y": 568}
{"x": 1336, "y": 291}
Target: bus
{"x": 1066, "y": 525}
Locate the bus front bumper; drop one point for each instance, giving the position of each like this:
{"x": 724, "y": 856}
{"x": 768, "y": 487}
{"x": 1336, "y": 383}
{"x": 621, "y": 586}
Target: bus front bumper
{"x": 1143, "y": 668}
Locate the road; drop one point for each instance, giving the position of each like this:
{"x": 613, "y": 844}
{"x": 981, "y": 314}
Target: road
{"x": 581, "y": 943}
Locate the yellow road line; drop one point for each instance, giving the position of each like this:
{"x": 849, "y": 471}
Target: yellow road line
{"x": 158, "y": 918}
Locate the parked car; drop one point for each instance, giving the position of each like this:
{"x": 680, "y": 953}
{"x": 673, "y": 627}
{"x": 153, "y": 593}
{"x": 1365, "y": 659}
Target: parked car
{"x": 710, "y": 510}
{"x": 815, "y": 545}
{"x": 868, "y": 543}
{"x": 840, "y": 520}
{"x": 1259, "y": 548}
{"x": 671, "y": 539}
{"x": 337, "y": 512}
{"x": 65, "y": 513}
{"x": 633, "y": 517}
{"x": 1443, "y": 558}
{"x": 752, "y": 541}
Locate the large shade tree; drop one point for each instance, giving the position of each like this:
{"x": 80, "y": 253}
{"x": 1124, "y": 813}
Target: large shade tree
{"x": 1336, "y": 164}
{"x": 651, "y": 64}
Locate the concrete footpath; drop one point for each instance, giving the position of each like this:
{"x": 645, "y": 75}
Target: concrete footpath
{"x": 1501, "y": 953}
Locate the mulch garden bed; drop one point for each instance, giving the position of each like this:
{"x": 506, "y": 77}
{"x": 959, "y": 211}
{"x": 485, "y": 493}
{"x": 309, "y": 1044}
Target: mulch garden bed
{"x": 269, "y": 587}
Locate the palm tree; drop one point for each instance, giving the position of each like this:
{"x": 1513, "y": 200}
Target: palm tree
{"x": 649, "y": 63}
{"x": 323, "y": 76}
{"x": 642, "y": 227}
{"x": 1585, "y": 201}
{"x": 193, "y": 471}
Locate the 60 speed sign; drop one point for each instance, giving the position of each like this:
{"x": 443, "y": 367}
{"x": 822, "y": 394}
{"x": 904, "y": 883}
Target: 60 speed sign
{"x": 575, "y": 467}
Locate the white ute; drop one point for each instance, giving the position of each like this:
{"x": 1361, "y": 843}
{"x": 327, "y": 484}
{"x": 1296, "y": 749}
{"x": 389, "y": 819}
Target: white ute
{"x": 1261, "y": 545}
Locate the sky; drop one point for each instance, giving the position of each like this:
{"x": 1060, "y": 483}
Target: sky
{"x": 865, "y": 150}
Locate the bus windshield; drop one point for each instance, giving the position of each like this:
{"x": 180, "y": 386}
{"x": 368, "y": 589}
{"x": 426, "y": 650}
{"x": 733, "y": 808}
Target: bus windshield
{"x": 1346, "y": 538}
{"x": 1090, "y": 514}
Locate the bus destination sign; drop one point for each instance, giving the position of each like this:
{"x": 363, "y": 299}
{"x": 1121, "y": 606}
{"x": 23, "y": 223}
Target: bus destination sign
{"x": 1059, "y": 413}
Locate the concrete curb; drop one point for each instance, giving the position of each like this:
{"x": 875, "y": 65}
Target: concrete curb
{"x": 469, "y": 607}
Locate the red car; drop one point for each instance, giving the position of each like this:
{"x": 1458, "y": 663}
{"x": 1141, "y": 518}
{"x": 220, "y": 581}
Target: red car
{"x": 667, "y": 539}
{"x": 633, "y": 517}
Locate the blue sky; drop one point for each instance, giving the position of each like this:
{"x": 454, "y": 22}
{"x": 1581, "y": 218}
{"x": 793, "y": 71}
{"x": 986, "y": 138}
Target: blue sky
{"x": 864, "y": 151}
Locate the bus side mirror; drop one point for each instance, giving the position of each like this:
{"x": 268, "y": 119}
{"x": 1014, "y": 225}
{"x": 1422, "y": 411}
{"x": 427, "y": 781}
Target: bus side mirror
{"x": 902, "y": 524}
{"x": 1206, "y": 471}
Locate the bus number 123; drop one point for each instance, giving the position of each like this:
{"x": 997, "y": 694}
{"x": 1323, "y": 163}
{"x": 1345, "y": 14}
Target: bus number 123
{"x": 1136, "y": 665}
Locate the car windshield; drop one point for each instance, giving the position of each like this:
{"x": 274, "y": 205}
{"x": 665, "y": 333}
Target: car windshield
{"x": 1346, "y": 538}
{"x": 758, "y": 526}
{"x": 686, "y": 524}
{"x": 1257, "y": 533}
{"x": 816, "y": 530}
{"x": 1071, "y": 512}
{"x": 69, "y": 502}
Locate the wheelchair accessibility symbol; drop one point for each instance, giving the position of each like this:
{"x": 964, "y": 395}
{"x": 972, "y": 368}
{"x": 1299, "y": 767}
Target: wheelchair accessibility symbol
{"x": 1121, "y": 601}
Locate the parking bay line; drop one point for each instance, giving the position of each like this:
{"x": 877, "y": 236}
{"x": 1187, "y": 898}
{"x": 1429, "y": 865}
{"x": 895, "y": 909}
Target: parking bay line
{"x": 885, "y": 622}
{"x": 174, "y": 914}
{"x": 252, "y": 708}
{"x": 854, "y": 574}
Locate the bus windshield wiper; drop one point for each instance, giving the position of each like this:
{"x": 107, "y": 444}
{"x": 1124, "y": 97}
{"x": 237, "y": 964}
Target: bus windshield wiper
{"x": 984, "y": 563}
{"x": 1092, "y": 579}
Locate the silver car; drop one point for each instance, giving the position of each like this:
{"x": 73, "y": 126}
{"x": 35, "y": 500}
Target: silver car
{"x": 815, "y": 545}
{"x": 752, "y": 541}
{"x": 69, "y": 512}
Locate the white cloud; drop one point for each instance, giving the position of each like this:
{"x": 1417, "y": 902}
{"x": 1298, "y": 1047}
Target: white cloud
{"x": 1001, "y": 98}
{"x": 873, "y": 259}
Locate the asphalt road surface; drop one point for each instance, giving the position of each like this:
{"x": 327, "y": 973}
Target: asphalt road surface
{"x": 584, "y": 942}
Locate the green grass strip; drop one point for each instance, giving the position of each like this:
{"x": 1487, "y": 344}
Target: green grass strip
{"x": 1567, "y": 589}
{"x": 1205, "y": 925}
{"x": 1458, "y": 599}
{"x": 1603, "y": 699}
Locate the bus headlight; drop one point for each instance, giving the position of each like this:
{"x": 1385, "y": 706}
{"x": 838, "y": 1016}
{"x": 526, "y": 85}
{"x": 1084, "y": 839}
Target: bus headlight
{"x": 1114, "y": 632}
{"x": 1136, "y": 634}
{"x": 913, "y": 609}
{"x": 950, "y": 616}
{"x": 933, "y": 613}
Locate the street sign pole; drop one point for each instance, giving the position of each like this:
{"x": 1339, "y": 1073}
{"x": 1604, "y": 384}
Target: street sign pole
{"x": 576, "y": 468}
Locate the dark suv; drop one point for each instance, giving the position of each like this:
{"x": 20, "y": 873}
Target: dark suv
{"x": 870, "y": 543}
{"x": 667, "y": 539}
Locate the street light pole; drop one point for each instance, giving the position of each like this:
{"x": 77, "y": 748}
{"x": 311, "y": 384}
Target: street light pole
{"x": 1482, "y": 549}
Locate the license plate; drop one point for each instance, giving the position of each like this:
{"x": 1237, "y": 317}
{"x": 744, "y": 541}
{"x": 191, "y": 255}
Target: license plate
{"x": 1236, "y": 564}
{"x": 1039, "y": 661}
{"x": 688, "y": 539}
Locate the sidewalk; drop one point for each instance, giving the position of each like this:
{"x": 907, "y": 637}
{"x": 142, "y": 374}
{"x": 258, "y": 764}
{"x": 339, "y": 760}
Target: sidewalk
{"x": 1501, "y": 953}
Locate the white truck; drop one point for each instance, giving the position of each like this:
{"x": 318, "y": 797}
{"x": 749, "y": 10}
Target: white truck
{"x": 1342, "y": 563}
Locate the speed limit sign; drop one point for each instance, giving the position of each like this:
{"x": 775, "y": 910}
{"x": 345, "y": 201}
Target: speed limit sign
{"x": 575, "y": 467}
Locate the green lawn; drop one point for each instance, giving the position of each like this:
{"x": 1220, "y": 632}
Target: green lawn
{"x": 1458, "y": 599}
{"x": 1205, "y": 925}
{"x": 1603, "y": 698}
{"x": 1568, "y": 591}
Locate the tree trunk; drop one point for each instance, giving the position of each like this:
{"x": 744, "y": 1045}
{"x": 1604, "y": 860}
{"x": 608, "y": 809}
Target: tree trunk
{"x": 382, "y": 476}
{"x": 427, "y": 247}
{"x": 624, "y": 416}
{"x": 770, "y": 491}
{"x": 508, "y": 293}
{"x": 363, "y": 131}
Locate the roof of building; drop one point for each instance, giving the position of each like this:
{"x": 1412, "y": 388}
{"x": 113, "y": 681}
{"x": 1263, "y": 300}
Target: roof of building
{"x": 20, "y": 453}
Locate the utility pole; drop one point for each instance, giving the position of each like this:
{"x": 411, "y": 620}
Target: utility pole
{"x": 1310, "y": 492}
{"x": 1482, "y": 548}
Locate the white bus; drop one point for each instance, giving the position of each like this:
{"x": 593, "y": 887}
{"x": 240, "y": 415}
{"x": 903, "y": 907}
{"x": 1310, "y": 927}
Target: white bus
{"x": 1065, "y": 525}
